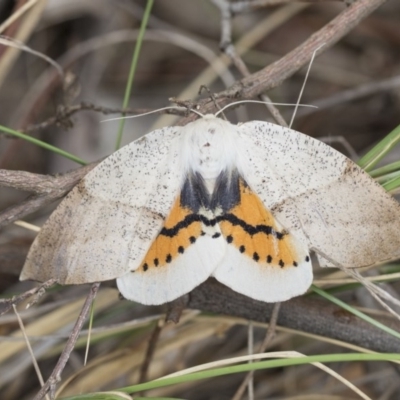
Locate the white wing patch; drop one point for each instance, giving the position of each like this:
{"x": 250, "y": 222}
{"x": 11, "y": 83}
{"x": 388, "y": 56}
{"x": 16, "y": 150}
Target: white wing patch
{"x": 166, "y": 282}
{"x": 242, "y": 203}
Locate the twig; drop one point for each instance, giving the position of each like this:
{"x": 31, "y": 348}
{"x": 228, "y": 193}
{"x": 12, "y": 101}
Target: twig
{"x": 268, "y": 337}
{"x": 44, "y": 87}
{"x": 7, "y": 304}
{"x": 63, "y": 114}
{"x": 56, "y": 374}
{"x": 20, "y": 10}
{"x": 34, "y": 361}
{"x": 318, "y": 316}
{"x": 151, "y": 347}
{"x": 175, "y": 308}
{"x": 248, "y": 5}
{"x": 46, "y": 188}
{"x": 229, "y": 49}
{"x": 274, "y": 74}
{"x": 271, "y": 328}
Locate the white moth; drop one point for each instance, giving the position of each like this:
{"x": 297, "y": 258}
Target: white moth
{"x": 243, "y": 203}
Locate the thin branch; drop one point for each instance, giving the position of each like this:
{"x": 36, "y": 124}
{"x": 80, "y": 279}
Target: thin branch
{"x": 249, "y": 5}
{"x": 230, "y": 50}
{"x": 307, "y": 313}
{"x": 64, "y": 114}
{"x": 28, "y": 344}
{"x": 38, "y": 291}
{"x": 56, "y": 374}
{"x": 331, "y": 33}
{"x": 268, "y": 337}
{"x": 151, "y": 347}
{"x": 175, "y": 309}
{"x": 317, "y": 316}
{"x": 46, "y": 188}
{"x": 62, "y": 118}
{"x": 274, "y": 74}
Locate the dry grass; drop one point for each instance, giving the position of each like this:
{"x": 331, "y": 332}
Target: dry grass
{"x": 93, "y": 40}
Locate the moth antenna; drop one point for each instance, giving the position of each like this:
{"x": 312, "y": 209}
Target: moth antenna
{"x": 152, "y": 112}
{"x": 304, "y": 83}
{"x": 197, "y": 112}
{"x": 261, "y": 102}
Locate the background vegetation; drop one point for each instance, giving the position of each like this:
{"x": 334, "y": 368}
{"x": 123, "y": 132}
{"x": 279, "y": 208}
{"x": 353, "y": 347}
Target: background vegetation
{"x": 266, "y": 49}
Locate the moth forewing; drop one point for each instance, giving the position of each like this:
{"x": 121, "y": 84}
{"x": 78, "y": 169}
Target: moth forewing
{"x": 108, "y": 221}
{"x": 324, "y": 197}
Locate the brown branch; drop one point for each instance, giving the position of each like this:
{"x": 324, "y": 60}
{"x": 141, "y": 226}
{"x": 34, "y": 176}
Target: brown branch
{"x": 307, "y": 313}
{"x": 274, "y": 74}
{"x": 327, "y": 36}
{"x": 46, "y": 188}
{"x": 230, "y": 50}
{"x": 6, "y": 304}
{"x": 56, "y": 374}
{"x": 267, "y": 78}
{"x": 175, "y": 309}
{"x": 62, "y": 118}
{"x": 249, "y": 5}
{"x": 151, "y": 348}
{"x": 268, "y": 337}
{"x": 63, "y": 115}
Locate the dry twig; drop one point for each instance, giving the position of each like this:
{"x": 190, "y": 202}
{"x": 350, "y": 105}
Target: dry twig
{"x": 229, "y": 49}
{"x": 307, "y": 313}
{"x": 248, "y": 5}
{"x": 268, "y": 337}
{"x": 46, "y": 188}
{"x": 151, "y": 347}
{"x": 7, "y": 304}
{"x": 56, "y": 374}
{"x": 274, "y": 74}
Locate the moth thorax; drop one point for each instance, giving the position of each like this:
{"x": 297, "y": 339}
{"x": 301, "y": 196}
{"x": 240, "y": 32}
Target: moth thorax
{"x": 209, "y": 147}
{"x": 206, "y": 158}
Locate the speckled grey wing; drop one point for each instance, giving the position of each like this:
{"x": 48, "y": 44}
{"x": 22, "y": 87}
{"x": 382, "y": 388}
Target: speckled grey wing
{"x": 106, "y": 224}
{"x": 321, "y": 196}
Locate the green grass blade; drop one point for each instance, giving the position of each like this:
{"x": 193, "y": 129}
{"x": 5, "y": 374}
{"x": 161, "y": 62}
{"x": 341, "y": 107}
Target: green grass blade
{"x": 385, "y": 170}
{"x": 132, "y": 70}
{"x": 380, "y": 150}
{"x": 99, "y": 396}
{"x": 278, "y": 363}
{"x": 392, "y": 184}
{"x": 352, "y": 310}
{"x": 42, "y": 144}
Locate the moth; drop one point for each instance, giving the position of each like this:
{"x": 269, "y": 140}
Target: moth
{"x": 242, "y": 203}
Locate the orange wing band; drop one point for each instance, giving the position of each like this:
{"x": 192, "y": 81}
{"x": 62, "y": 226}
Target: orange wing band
{"x": 254, "y": 232}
